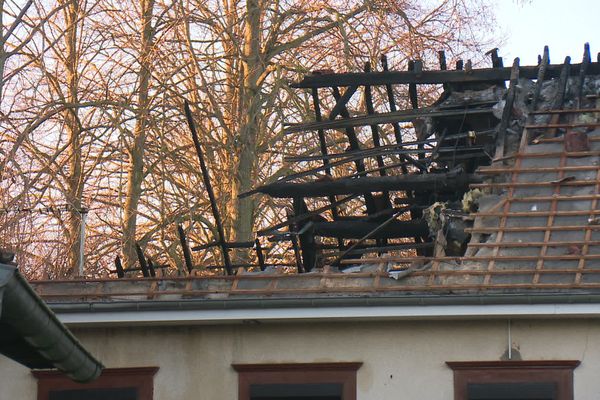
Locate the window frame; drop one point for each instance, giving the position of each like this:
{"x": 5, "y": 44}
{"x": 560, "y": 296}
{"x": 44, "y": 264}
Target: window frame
{"x": 342, "y": 373}
{"x": 141, "y": 378}
{"x": 482, "y": 372}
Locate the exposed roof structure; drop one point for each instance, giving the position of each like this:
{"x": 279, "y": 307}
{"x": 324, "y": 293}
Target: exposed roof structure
{"x": 31, "y": 334}
{"x": 494, "y": 197}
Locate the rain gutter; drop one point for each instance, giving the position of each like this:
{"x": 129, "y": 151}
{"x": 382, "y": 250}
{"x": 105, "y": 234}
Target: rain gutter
{"x": 203, "y": 311}
{"x": 26, "y": 314}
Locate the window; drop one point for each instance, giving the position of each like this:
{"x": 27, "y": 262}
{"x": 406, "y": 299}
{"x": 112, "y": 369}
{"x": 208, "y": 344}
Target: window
{"x": 324, "y": 381}
{"x": 513, "y": 380}
{"x": 113, "y": 384}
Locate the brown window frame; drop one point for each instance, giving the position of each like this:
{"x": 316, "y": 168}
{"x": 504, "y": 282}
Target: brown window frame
{"x": 141, "y": 379}
{"x": 342, "y": 373}
{"x": 558, "y": 372}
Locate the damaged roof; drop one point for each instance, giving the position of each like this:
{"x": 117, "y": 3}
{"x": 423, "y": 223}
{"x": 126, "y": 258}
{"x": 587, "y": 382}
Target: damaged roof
{"x": 514, "y": 212}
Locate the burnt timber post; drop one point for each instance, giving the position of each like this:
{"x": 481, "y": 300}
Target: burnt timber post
{"x": 211, "y": 194}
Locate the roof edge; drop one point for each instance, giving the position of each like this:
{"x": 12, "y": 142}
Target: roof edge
{"x": 31, "y": 318}
{"x": 195, "y": 311}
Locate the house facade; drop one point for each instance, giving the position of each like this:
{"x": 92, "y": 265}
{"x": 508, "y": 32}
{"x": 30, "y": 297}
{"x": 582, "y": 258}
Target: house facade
{"x": 394, "y": 345}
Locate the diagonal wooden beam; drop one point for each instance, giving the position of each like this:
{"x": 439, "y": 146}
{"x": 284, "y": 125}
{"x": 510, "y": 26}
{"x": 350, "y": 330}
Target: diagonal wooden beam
{"x": 340, "y": 105}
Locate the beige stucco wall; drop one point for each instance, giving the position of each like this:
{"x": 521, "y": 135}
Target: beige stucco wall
{"x": 402, "y": 359}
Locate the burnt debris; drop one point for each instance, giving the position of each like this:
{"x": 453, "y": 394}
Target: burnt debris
{"x": 400, "y": 157}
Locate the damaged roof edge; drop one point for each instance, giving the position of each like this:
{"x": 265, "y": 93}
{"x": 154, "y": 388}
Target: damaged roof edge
{"x": 454, "y": 306}
{"x": 27, "y": 314}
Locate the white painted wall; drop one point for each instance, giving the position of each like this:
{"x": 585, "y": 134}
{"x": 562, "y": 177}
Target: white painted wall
{"x": 403, "y": 359}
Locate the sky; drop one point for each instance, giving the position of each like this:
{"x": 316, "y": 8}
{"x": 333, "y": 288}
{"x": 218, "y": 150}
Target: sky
{"x": 563, "y": 25}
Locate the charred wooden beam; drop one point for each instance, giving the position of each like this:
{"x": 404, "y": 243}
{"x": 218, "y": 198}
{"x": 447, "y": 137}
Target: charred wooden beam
{"x": 259, "y": 254}
{"x": 294, "y": 239}
{"x": 359, "y": 229}
{"x": 442, "y": 181}
{"x": 543, "y": 65}
{"x": 229, "y": 245}
{"x": 151, "y": 268}
{"x": 412, "y": 87}
{"x": 443, "y": 66}
{"x": 340, "y": 105}
{"x": 354, "y": 145}
{"x": 497, "y": 61}
{"x": 187, "y": 256}
{"x": 208, "y": 185}
{"x": 371, "y": 234}
{"x": 142, "y": 261}
{"x": 392, "y": 101}
{"x": 395, "y": 124}
{"x": 323, "y": 144}
{"x": 383, "y": 118}
{"x": 296, "y": 219}
{"x": 374, "y": 151}
{"x": 433, "y": 77}
{"x": 507, "y": 111}
{"x": 306, "y": 238}
{"x": 560, "y": 96}
{"x": 374, "y": 128}
{"x": 363, "y": 249}
{"x": 585, "y": 63}
{"x": 119, "y": 267}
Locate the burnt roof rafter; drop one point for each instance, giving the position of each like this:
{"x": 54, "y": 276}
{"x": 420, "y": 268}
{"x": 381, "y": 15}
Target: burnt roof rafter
{"x": 437, "y": 77}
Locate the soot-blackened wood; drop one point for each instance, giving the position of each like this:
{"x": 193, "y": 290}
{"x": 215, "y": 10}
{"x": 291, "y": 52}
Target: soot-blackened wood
{"x": 374, "y": 128}
{"x": 433, "y": 77}
{"x": 540, "y": 77}
{"x": 375, "y": 133}
{"x": 374, "y": 152}
{"x": 587, "y": 59}
{"x": 354, "y": 145}
{"x": 293, "y": 219}
{"x": 507, "y": 111}
{"x": 208, "y": 185}
{"x": 369, "y": 235}
{"x": 294, "y": 239}
{"x": 358, "y": 229}
{"x": 497, "y": 61}
{"x": 392, "y": 100}
{"x": 151, "y": 268}
{"x": 119, "y": 267}
{"x": 443, "y": 66}
{"x": 229, "y": 245}
{"x": 323, "y": 145}
{"x": 436, "y": 182}
{"x": 306, "y": 238}
{"x": 383, "y": 118}
{"x": 362, "y": 249}
{"x": 142, "y": 260}
{"x": 412, "y": 87}
{"x": 320, "y": 132}
{"x": 259, "y": 254}
{"x": 340, "y": 105}
{"x": 417, "y": 67}
{"x": 187, "y": 255}
{"x": 560, "y": 96}
{"x": 442, "y": 60}
{"x": 396, "y": 124}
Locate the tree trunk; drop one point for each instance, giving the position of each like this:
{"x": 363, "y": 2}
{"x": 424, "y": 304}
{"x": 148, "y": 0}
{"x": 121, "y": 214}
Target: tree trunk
{"x": 250, "y": 107}
{"x": 72, "y": 126}
{"x": 135, "y": 173}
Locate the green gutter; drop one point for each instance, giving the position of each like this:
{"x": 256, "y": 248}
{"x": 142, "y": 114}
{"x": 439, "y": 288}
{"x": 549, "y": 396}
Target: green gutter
{"x": 43, "y": 337}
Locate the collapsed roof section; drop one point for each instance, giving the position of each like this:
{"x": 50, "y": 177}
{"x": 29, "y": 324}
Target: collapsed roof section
{"x": 440, "y": 188}
{"x": 413, "y": 170}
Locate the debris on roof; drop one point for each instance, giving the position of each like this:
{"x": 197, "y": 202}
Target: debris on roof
{"x": 492, "y": 185}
